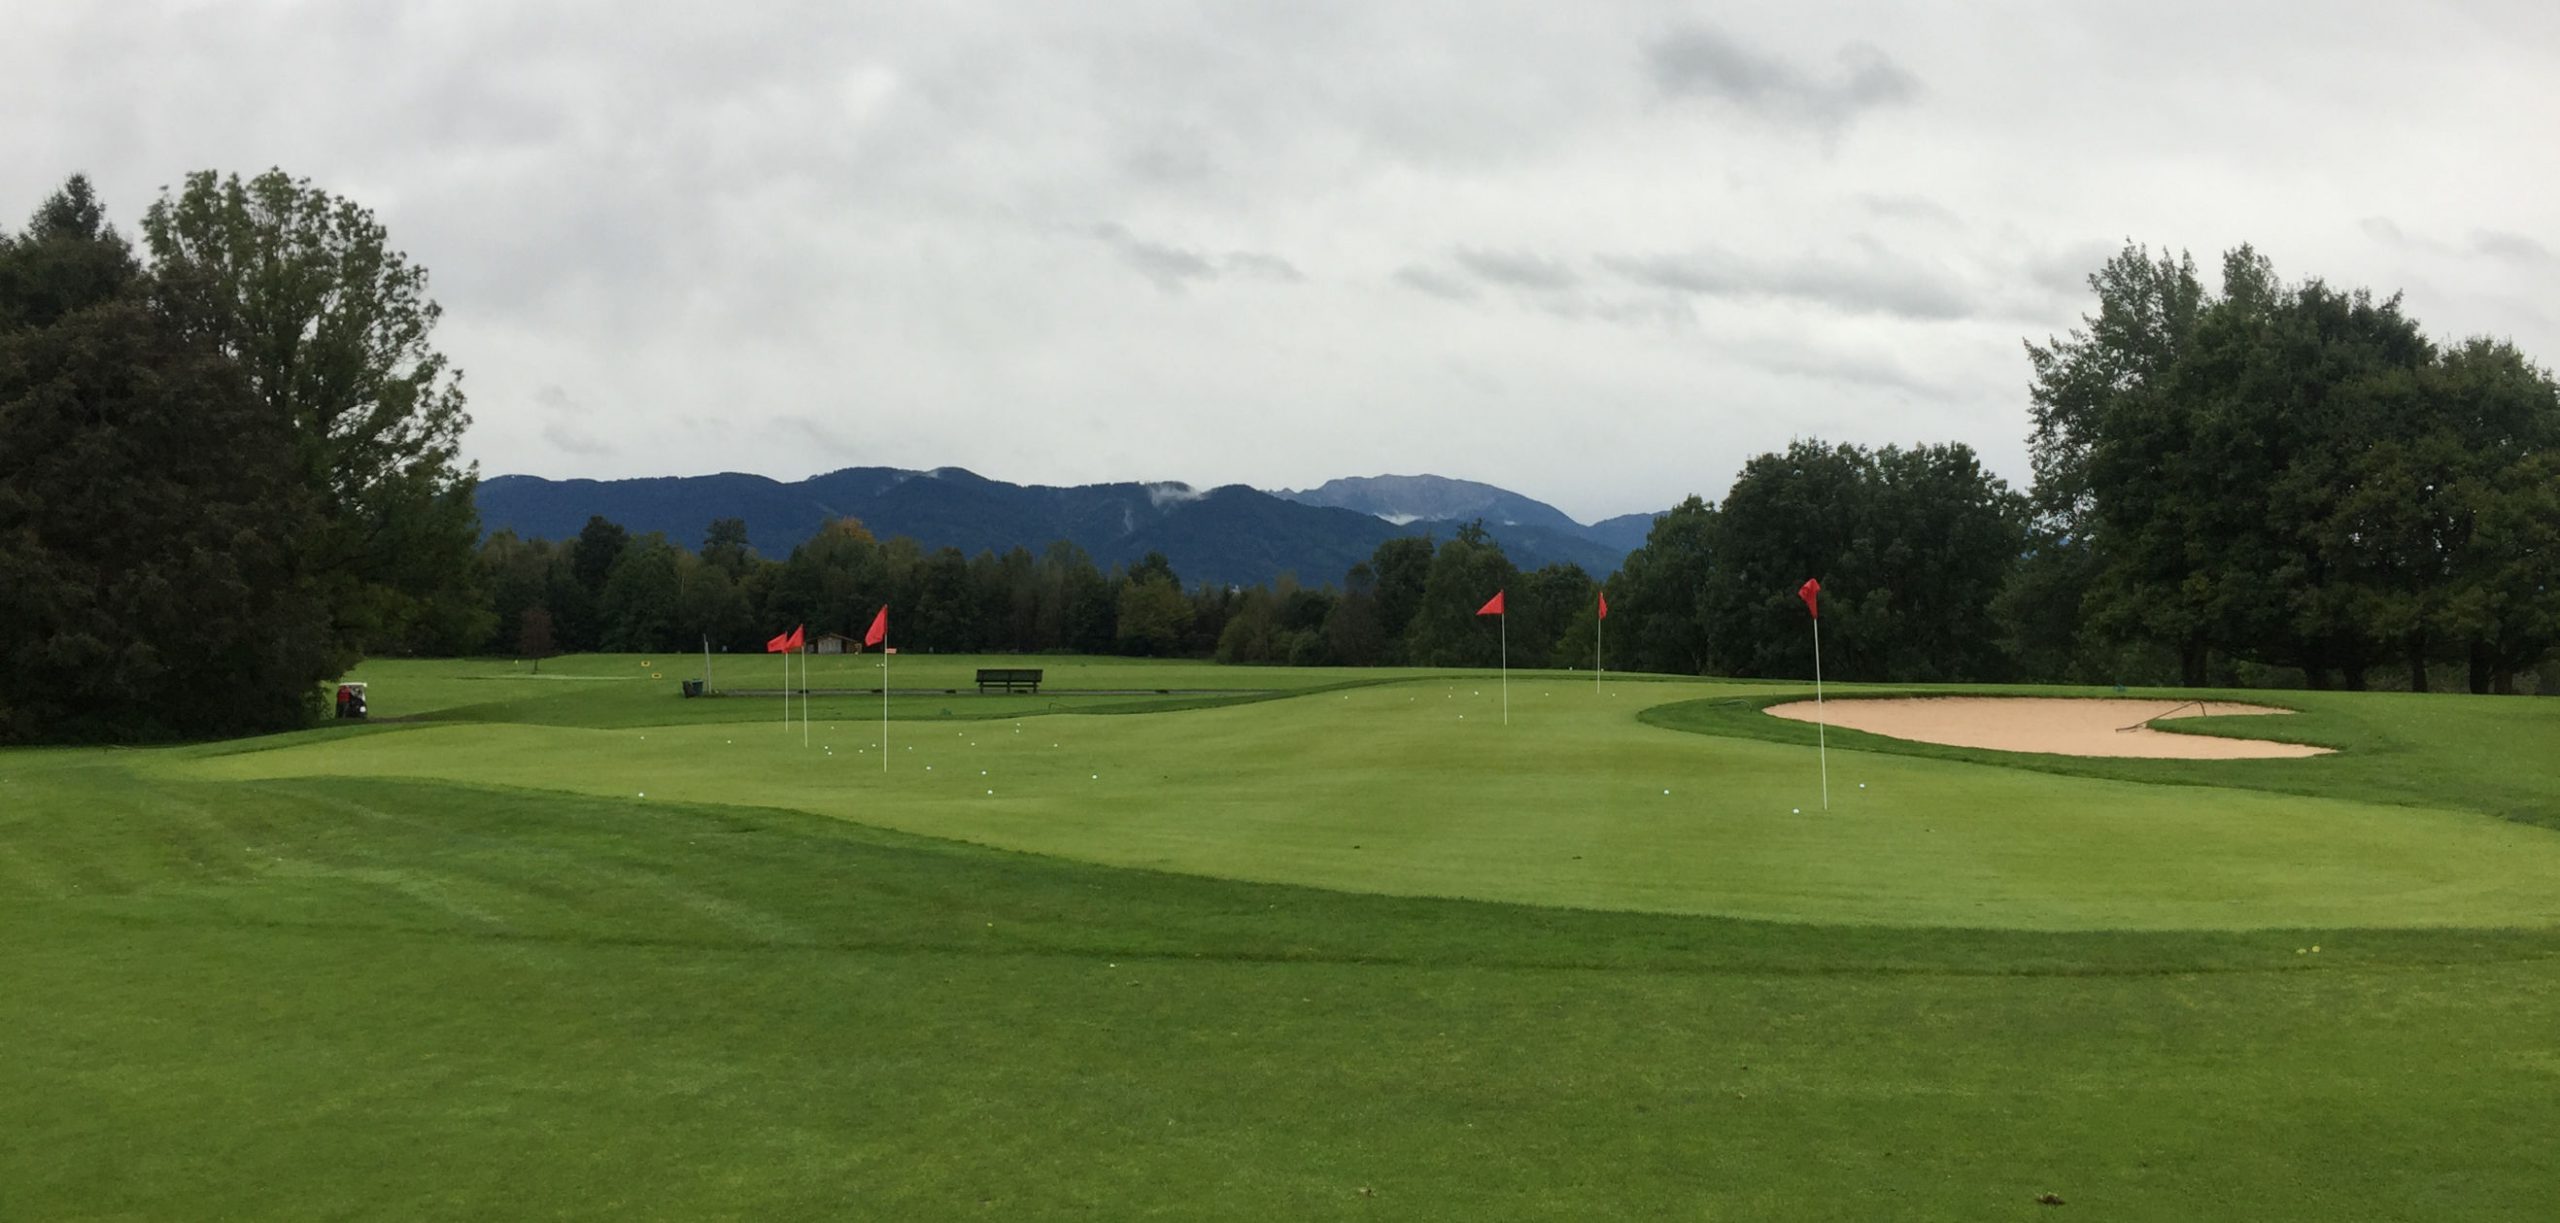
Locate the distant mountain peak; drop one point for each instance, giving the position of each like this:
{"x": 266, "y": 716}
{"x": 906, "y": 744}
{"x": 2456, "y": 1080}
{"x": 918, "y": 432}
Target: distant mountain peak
{"x": 1403, "y": 500}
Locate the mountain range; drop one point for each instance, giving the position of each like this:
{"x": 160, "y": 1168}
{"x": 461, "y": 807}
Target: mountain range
{"x": 1233, "y": 535}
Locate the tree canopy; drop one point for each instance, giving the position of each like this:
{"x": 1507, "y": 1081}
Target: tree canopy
{"x": 151, "y": 511}
{"x": 330, "y": 328}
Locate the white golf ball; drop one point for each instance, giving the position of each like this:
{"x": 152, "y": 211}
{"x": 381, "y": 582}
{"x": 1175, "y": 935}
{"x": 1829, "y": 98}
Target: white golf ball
{"x": 1862, "y": 785}
{"x": 644, "y": 794}
{"x": 1666, "y": 791}
{"x": 1796, "y": 810}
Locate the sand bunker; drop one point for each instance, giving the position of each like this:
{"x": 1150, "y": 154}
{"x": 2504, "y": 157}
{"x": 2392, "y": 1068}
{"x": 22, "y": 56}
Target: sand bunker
{"x": 2059, "y": 725}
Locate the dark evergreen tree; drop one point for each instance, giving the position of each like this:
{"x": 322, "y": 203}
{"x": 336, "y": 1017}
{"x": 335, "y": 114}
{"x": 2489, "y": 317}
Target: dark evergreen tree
{"x": 150, "y": 510}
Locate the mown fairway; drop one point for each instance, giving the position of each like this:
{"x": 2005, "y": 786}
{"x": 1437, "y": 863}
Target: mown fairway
{"x": 458, "y": 967}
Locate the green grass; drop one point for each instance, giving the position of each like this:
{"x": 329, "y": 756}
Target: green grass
{"x": 1418, "y": 788}
{"x": 450, "y": 970}
{"x": 634, "y": 690}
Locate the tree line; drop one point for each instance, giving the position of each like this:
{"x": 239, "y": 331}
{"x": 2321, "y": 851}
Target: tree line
{"x": 229, "y": 469}
{"x": 1412, "y": 603}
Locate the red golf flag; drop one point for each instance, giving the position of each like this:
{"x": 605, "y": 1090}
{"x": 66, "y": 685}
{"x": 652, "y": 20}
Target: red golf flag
{"x": 1492, "y": 606}
{"x": 879, "y": 627}
{"x": 1604, "y": 605}
{"x": 1811, "y": 592}
{"x": 777, "y": 643}
{"x": 799, "y": 638}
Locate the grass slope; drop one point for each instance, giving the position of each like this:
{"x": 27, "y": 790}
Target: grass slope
{"x": 1417, "y": 787}
{"x": 232, "y": 995}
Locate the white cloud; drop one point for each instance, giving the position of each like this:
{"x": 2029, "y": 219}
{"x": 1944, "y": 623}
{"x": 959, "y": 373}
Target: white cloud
{"x": 1576, "y": 250}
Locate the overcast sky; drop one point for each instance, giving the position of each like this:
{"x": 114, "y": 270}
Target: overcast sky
{"x": 1599, "y": 253}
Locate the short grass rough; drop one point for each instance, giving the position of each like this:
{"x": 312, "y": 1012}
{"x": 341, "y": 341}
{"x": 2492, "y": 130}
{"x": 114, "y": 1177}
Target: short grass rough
{"x": 1341, "y": 954}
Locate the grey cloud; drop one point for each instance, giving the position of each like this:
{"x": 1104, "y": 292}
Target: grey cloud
{"x": 1699, "y": 62}
{"x": 1518, "y": 270}
{"x": 1828, "y": 365}
{"x": 1266, "y": 267}
{"x": 2064, "y": 271}
{"x": 2381, "y": 229}
{"x": 1875, "y": 283}
{"x": 1173, "y": 267}
{"x": 1435, "y": 283}
{"x": 2484, "y": 243}
{"x": 556, "y": 398}
{"x": 1169, "y": 267}
{"x": 573, "y": 440}
{"x": 1638, "y": 310}
{"x": 1910, "y": 208}
{"x": 2499, "y": 244}
{"x": 829, "y": 441}
{"x": 563, "y": 429}
{"x": 1169, "y": 161}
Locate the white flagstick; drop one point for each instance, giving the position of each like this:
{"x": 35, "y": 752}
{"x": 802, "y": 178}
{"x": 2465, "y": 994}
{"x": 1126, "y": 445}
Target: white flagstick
{"x": 1599, "y": 637}
{"x": 706, "y": 664}
{"x": 804, "y": 696}
{"x": 1505, "y": 618}
{"x": 884, "y": 702}
{"x": 786, "y": 690}
{"x": 1821, "y": 728}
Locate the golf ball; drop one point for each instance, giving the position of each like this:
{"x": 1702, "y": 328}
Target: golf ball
{"x": 1796, "y": 810}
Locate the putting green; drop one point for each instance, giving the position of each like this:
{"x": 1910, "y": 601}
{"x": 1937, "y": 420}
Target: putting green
{"x": 1419, "y": 788}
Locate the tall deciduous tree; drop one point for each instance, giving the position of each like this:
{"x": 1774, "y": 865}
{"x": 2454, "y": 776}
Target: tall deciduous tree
{"x": 1400, "y": 567}
{"x": 2148, "y": 309}
{"x": 331, "y": 327}
{"x": 1446, "y": 631}
{"x": 642, "y": 598}
{"x": 1910, "y": 545}
{"x": 1153, "y": 615}
{"x": 1660, "y": 622}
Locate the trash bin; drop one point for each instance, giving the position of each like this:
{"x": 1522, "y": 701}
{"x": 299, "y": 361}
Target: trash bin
{"x": 693, "y": 687}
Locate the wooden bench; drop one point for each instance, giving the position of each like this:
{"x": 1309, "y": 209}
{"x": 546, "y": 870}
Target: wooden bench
{"x": 1011, "y": 679}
